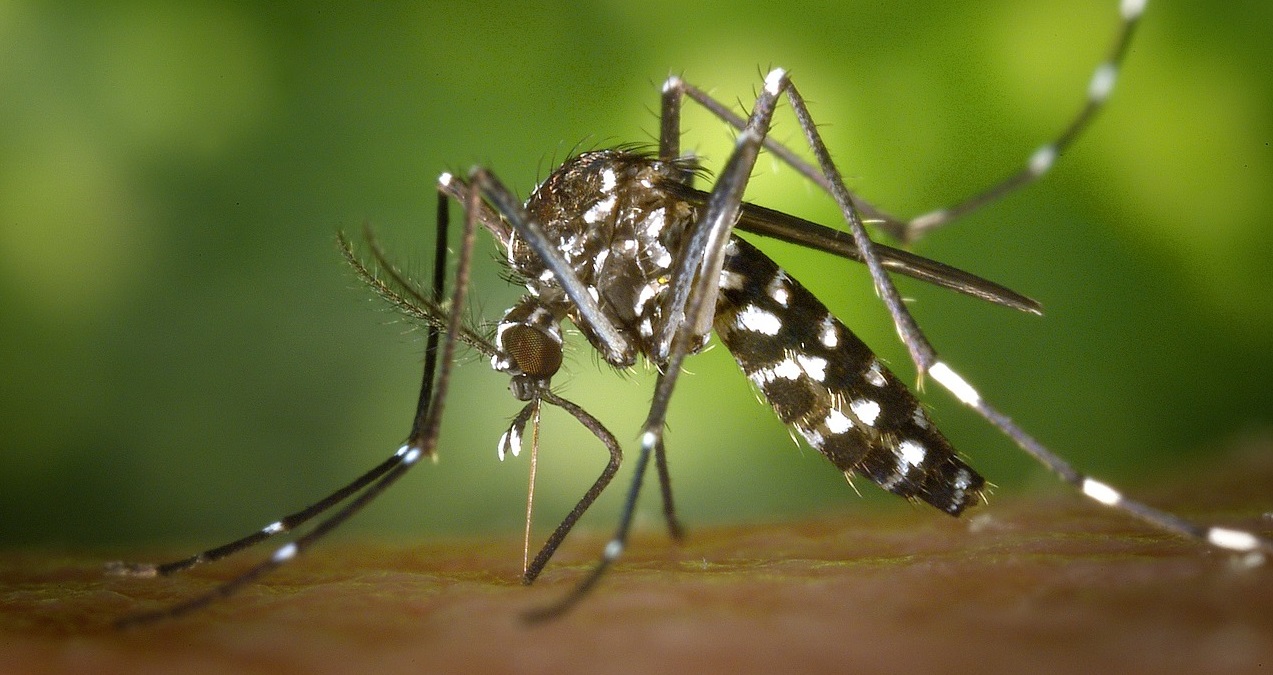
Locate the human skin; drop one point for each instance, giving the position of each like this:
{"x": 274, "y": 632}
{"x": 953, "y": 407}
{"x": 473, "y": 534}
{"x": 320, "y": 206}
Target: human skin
{"x": 1041, "y": 583}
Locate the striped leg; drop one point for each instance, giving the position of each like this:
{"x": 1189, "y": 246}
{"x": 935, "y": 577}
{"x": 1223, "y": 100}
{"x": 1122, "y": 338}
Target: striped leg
{"x": 422, "y": 442}
{"x": 903, "y": 229}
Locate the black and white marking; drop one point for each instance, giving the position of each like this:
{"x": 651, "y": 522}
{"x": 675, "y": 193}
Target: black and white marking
{"x": 622, "y": 245}
{"x": 821, "y": 379}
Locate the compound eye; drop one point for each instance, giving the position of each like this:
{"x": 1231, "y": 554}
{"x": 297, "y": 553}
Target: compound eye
{"x": 535, "y": 352}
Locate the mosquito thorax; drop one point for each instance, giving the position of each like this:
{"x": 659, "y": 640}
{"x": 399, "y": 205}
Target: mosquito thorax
{"x": 620, "y": 232}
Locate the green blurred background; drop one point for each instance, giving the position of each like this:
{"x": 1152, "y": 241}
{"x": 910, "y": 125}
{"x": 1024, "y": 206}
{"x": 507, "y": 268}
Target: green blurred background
{"x": 185, "y": 357}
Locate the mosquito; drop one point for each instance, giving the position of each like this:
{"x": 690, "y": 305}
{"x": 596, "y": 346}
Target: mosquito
{"x": 620, "y": 243}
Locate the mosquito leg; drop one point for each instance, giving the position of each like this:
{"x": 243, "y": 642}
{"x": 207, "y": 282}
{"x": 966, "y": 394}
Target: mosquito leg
{"x": 1041, "y": 160}
{"x": 1239, "y": 541}
{"x": 695, "y": 280}
{"x": 670, "y": 149}
{"x": 294, "y": 520}
{"x": 423, "y": 443}
{"x": 612, "y": 467}
{"x": 908, "y": 230}
{"x": 670, "y": 119}
{"x": 703, "y": 255}
{"x": 612, "y": 551}
{"x": 921, "y": 352}
{"x": 280, "y": 526}
{"x": 280, "y": 556}
{"x": 674, "y": 527}
{"x": 440, "y": 252}
{"x": 674, "y": 88}
{"x": 691, "y": 302}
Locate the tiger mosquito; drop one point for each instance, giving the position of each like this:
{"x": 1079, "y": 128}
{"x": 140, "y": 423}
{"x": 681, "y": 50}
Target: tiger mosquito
{"x": 645, "y": 265}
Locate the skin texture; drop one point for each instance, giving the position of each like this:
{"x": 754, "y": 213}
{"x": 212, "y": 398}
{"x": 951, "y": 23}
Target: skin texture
{"x": 1045, "y": 583}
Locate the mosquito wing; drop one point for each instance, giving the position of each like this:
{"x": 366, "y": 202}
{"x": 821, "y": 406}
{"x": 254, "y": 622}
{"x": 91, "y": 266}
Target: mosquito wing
{"x": 786, "y": 227}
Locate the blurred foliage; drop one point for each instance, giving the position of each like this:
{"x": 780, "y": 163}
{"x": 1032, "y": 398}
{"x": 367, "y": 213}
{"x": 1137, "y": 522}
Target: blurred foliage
{"x": 183, "y": 355}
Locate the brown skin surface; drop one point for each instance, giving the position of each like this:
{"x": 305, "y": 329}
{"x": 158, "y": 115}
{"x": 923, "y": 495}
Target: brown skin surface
{"x": 1046, "y": 584}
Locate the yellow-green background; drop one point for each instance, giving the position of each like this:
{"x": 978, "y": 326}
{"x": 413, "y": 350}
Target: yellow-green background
{"x": 183, "y": 355}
